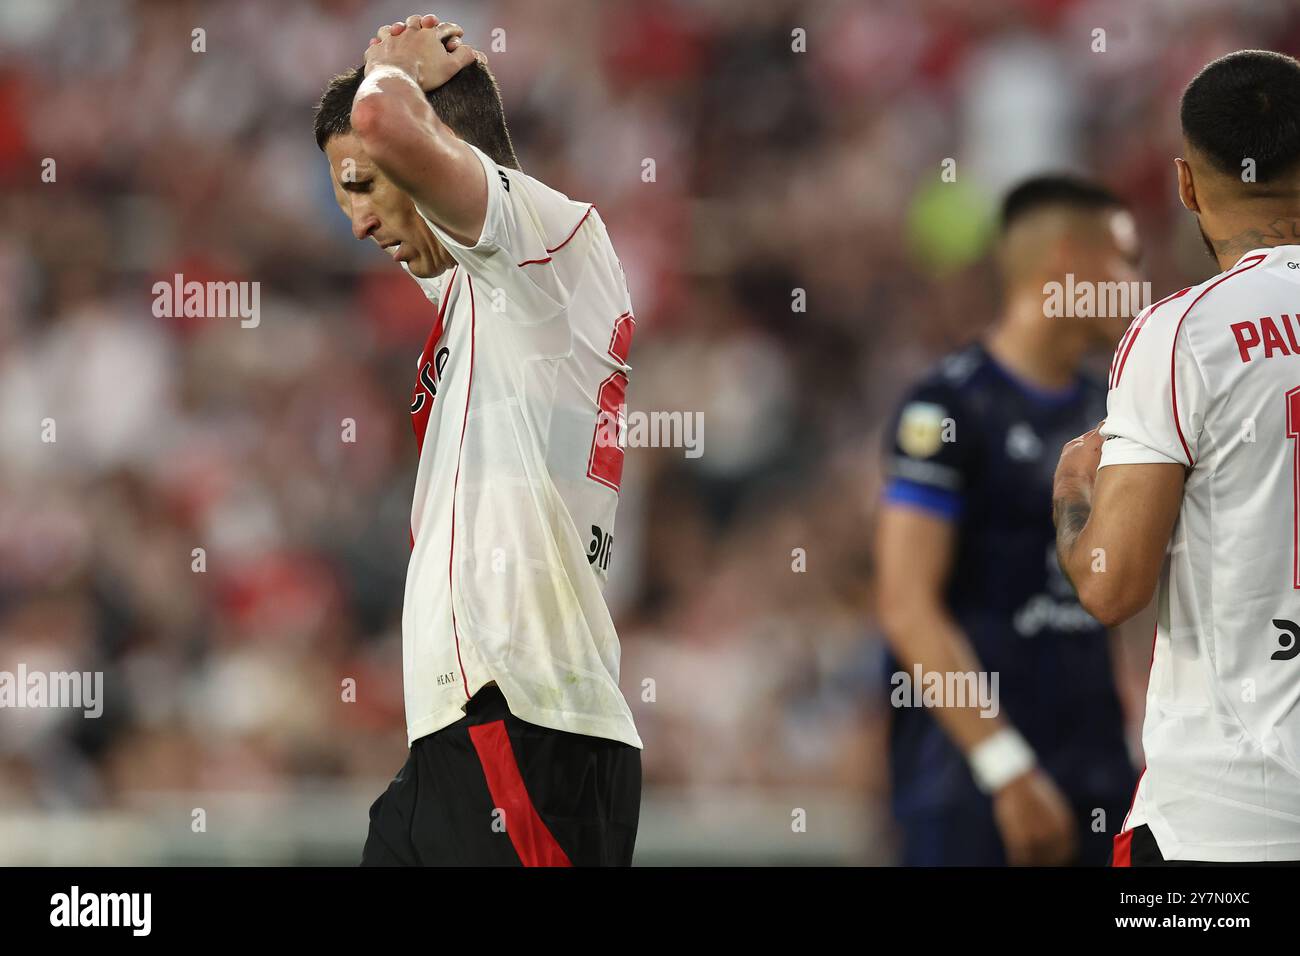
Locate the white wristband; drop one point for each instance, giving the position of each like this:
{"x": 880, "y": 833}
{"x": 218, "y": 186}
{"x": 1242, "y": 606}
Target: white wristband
{"x": 998, "y": 760}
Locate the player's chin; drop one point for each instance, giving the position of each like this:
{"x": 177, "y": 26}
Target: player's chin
{"x": 427, "y": 265}
{"x": 421, "y": 267}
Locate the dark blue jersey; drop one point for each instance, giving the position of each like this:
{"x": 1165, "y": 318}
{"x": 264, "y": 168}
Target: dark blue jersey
{"x": 978, "y": 447}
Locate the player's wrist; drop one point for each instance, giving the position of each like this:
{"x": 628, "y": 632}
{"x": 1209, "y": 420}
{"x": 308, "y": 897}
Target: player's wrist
{"x": 999, "y": 759}
{"x": 378, "y": 70}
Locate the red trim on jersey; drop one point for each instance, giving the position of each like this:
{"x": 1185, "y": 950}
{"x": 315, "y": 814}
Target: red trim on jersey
{"x": 1173, "y": 350}
{"x": 537, "y": 262}
{"x": 451, "y": 551}
{"x": 420, "y": 419}
{"x": 1126, "y": 344}
{"x": 1123, "y": 855}
{"x": 1122, "y": 349}
{"x": 528, "y": 832}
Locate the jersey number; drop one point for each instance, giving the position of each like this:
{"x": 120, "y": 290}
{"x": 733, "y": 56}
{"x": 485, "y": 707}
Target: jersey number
{"x": 605, "y": 463}
{"x": 1293, "y": 432}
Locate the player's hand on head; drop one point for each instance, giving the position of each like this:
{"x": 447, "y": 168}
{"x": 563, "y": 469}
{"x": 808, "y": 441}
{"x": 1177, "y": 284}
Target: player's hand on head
{"x": 414, "y": 22}
{"x": 425, "y": 48}
{"x": 1035, "y": 821}
{"x": 449, "y": 33}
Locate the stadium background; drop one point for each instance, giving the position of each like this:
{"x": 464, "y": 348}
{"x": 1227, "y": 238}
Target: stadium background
{"x": 776, "y": 171}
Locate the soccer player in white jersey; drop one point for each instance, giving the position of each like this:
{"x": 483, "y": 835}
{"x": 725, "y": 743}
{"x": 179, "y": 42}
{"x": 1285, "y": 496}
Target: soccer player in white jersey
{"x": 1190, "y": 490}
{"x": 522, "y": 747}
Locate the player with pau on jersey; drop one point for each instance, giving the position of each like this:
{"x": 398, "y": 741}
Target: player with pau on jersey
{"x": 1190, "y": 490}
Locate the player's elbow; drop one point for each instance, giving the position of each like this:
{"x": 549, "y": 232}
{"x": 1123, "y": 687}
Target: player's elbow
{"x": 1113, "y": 599}
{"x": 375, "y": 121}
{"x": 901, "y": 614}
{"x": 399, "y": 141}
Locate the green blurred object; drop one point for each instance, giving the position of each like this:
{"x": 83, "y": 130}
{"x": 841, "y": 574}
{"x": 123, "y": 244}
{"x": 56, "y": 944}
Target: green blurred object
{"x": 949, "y": 225}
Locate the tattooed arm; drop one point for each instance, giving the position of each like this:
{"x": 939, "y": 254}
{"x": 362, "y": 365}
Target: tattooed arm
{"x": 1112, "y": 527}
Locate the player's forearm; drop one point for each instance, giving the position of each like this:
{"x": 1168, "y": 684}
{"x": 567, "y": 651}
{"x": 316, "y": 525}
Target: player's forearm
{"x": 404, "y": 137}
{"x": 1071, "y": 509}
{"x": 397, "y": 126}
{"x": 925, "y": 635}
{"x": 1094, "y": 561}
{"x": 922, "y": 632}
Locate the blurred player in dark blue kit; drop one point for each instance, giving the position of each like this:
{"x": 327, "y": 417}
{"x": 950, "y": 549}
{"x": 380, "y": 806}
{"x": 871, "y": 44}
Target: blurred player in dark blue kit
{"x": 969, "y": 582}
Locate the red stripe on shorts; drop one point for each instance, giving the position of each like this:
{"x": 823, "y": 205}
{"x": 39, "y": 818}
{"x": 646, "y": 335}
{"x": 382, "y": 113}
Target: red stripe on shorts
{"x": 532, "y": 840}
{"x": 1123, "y": 849}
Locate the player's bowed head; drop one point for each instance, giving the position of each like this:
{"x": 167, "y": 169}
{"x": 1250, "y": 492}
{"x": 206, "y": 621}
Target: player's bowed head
{"x": 394, "y": 132}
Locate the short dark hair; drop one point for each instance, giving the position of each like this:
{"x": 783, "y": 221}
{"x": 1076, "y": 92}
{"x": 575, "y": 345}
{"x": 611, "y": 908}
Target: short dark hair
{"x": 1246, "y": 105}
{"x": 1058, "y": 189}
{"x": 469, "y": 103}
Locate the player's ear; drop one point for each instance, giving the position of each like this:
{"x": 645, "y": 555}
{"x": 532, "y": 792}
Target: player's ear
{"x": 1186, "y": 187}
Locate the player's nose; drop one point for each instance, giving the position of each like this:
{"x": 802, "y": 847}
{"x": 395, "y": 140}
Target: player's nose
{"x": 363, "y": 224}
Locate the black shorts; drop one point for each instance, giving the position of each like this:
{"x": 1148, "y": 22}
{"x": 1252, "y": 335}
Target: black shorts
{"x": 493, "y": 790}
{"x": 1138, "y": 847}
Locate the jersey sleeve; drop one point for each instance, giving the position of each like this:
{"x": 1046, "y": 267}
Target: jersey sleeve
{"x": 526, "y": 221}
{"x": 1155, "y": 407}
{"x": 930, "y": 453}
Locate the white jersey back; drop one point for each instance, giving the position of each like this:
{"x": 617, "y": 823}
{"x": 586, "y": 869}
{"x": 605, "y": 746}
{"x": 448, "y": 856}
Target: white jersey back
{"x": 518, "y": 393}
{"x": 1210, "y": 378}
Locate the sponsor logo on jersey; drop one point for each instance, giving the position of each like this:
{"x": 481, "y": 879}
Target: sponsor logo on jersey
{"x": 1289, "y": 642}
{"x": 1023, "y": 444}
{"x": 426, "y": 389}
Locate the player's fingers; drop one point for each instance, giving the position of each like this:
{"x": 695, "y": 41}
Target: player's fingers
{"x": 374, "y": 40}
{"x": 429, "y": 21}
{"x": 413, "y": 22}
{"x": 463, "y": 55}
{"x": 450, "y": 35}
{"x": 384, "y": 32}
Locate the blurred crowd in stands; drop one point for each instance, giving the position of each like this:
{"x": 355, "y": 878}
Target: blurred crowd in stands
{"x": 796, "y": 259}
